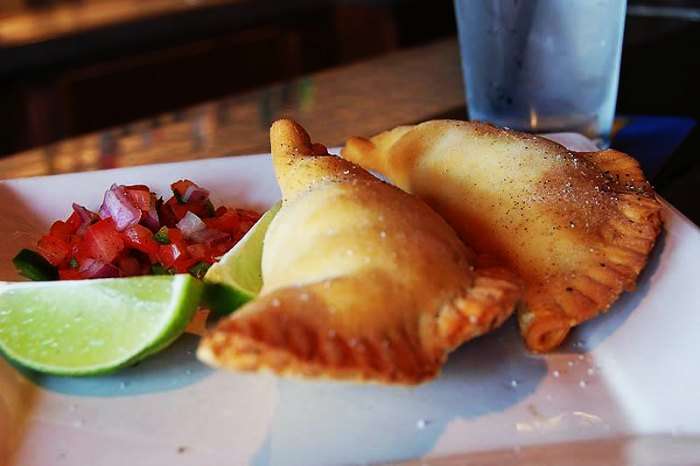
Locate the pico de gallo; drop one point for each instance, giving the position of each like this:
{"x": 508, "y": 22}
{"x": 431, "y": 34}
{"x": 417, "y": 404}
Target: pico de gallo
{"x": 135, "y": 232}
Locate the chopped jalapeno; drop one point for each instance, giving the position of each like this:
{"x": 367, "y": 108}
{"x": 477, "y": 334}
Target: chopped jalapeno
{"x": 162, "y": 236}
{"x": 199, "y": 269}
{"x": 33, "y": 266}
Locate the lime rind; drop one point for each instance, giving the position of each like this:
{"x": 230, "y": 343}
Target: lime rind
{"x": 224, "y": 299}
{"x": 36, "y": 317}
{"x": 190, "y": 290}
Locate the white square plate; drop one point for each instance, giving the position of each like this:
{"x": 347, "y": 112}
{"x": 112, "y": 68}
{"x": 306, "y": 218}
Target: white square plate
{"x": 624, "y": 388}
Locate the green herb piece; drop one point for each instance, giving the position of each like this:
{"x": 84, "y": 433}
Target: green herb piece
{"x": 158, "y": 269}
{"x": 211, "y": 211}
{"x": 161, "y": 236}
{"x": 199, "y": 269}
{"x": 34, "y": 266}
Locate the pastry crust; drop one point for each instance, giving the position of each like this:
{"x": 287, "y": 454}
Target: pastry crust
{"x": 362, "y": 281}
{"x": 577, "y": 227}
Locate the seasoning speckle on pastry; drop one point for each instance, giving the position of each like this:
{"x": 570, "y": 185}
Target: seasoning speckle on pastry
{"x": 553, "y": 215}
{"x": 384, "y": 298}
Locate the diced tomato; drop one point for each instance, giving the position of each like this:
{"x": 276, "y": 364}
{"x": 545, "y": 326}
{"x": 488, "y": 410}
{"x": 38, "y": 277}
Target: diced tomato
{"x": 74, "y": 221}
{"x": 61, "y": 229}
{"x": 183, "y": 264}
{"x": 135, "y": 251}
{"x": 222, "y": 247}
{"x": 176, "y": 236}
{"x": 200, "y": 208}
{"x": 102, "y": 241}
{"x": 143, "y": 200}
{"x": 179, "y": 187}
{"x": 138, "y": 187}
{"x": 246, "y": 214}
{"x": 175, "y": 255}
{"x": 69, "y": 274}
{"x": 141, "y": 238}
{"x": 200, "y": 252}
{"x": 129, "y": 266}
{"x": 54, "y": 249}
{"x": 165, "y": 214}
{"x": 247, "y": 219}
{"x": 76, "y": 246}
{"x": 169, "y": 253}
{"x": 178, "y": 210}
{"x": 227, "y": 222}
{"x": 145, "y": 268}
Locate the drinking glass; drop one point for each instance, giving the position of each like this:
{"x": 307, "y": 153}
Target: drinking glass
{"x": 542, "y": 65}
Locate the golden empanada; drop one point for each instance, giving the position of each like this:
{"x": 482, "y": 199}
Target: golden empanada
{"x": 362, "y": 281}
{"x": 577, "y": 227}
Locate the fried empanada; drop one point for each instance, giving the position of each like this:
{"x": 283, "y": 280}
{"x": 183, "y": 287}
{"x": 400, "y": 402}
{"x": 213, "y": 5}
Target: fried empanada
{"x": 577, "y": 227}
{"x": 362, "y": 281}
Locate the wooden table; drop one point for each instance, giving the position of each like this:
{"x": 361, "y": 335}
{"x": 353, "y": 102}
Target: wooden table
{"x": 20, "y": 25}
{"x": 359, "y": 99}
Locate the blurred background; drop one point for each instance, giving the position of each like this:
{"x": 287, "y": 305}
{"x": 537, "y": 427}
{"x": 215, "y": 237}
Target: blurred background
{"x": 69, "y": 67}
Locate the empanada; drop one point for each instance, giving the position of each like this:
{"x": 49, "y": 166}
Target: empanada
{"x": 577, "y": 227}
{"x": 362, "y": 281}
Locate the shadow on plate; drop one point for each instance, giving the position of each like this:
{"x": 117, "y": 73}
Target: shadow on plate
{"x": 171, "y": 369}
{"x": 586, "y": 337}
{"x": 649, "y": 450}
{"x": 319, "y": 422}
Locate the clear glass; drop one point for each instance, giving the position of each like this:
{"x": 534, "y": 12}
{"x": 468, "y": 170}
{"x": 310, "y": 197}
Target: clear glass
{"x": 542, "y": 65}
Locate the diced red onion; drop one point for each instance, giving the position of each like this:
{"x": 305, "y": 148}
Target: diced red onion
{"x": 117, "y": 205}
{"x": 194, "y": 193}
{"x": 209, "y": 236}
{"x": 104, "y": 212}
{"x": 150, "y": 219}
{"x": 91, "y": 268}
{"x": 190, "y": 224}
{"x": 87, "y": 217}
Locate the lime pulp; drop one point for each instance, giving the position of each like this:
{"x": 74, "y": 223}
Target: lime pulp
{"x": 86, "y": 327}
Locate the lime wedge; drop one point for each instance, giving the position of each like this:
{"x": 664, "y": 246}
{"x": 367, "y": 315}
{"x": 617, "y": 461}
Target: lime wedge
{"x": 93, "y": 326}
{"x": 237, "y": 277}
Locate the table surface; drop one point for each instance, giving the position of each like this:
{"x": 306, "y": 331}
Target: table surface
{"x": 22, "y": 25}
{"x": 358, "y": 99}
